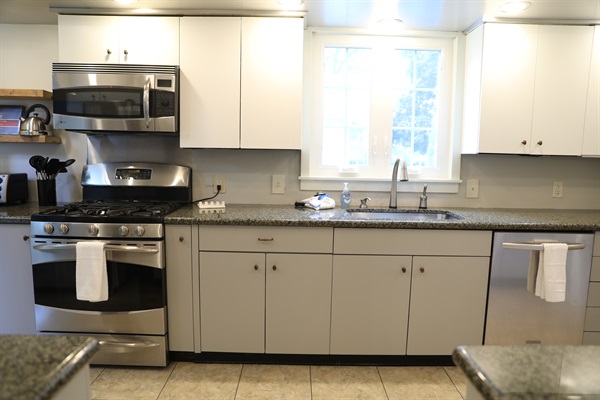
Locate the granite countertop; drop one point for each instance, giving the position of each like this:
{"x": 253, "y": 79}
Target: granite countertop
{"x": 532, "y": 371}
{"x": 35, "y": 367}
{"x": 288, "y": 215}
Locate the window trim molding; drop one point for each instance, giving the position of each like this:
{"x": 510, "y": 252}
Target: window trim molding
{"x": 449, "y": 185}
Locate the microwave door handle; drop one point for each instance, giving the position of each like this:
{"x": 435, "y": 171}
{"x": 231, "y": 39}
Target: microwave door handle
{"x": 147, "y": 103}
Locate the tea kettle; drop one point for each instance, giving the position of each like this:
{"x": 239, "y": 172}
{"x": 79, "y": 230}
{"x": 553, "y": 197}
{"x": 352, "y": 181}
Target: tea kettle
{"x": 34, "y": 125}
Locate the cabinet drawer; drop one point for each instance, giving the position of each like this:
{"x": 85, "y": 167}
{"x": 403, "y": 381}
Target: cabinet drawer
{"x": 412, "y": 242}
{"x": 592, "y": 319}
{"x": 266, "y": 239}
{"x": 593, "y": 299}
{"x": 595, "y": 274}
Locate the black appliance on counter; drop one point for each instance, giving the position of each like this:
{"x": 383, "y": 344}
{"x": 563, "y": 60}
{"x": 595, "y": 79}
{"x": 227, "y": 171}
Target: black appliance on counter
{"x": 13, "y": 188}
{"x": 124, "y": 206}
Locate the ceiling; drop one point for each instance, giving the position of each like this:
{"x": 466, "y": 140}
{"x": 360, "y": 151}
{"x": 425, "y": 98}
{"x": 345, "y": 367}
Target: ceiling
{"x": 438, "y": 15}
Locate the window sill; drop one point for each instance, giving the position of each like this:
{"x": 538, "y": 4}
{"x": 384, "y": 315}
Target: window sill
{"x": 378, "y": 185}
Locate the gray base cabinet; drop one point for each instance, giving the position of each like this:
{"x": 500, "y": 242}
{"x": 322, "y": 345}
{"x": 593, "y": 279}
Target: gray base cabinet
{"x": 180, "y": 250}
{"x": 265, "y": 289}
{"x": 17, "y": 315}
{"x": 414, "y": 292}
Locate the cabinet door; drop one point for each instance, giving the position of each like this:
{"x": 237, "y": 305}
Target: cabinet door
{"x": 17, "y": 315}
{"x": 210, "y": 82}
{"x": 271, "y": 97}
{"x": 591, "y": 132}
{"x": 447, "y": 304}
{"x": 298, "y": 303}
{"x": 180, "y": 304}
{"x": 507, "y": 88}
{"x": 232, "y": 302}
{"x": 561, "y": 85}
{"x": 149, "y": 40}
{"x": 88, "y": 39}
{"x": 369, "y": 310}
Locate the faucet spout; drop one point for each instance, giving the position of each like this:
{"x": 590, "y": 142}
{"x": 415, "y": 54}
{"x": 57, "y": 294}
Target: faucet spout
{"x": 403, "y": 178}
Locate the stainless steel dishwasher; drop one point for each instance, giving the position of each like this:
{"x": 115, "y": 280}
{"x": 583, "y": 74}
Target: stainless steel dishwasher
{"x": 516, "y": 316}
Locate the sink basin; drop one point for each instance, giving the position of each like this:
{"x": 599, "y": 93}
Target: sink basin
{"x": 401, "y": 215}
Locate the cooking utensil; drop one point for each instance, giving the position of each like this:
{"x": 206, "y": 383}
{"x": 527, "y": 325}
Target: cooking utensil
{"x": 38, "y": 162}
{"x": 34, "y": 125}
{"x": 52, "y": 167}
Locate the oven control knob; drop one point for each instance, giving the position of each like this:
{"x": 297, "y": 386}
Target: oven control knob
{"x": 48, "y": 228}
{"x": 123, "y": 230}
{"x": 139, "y": 230}
{"x": 94, "y": 230}
{"x": 64, "y": 229}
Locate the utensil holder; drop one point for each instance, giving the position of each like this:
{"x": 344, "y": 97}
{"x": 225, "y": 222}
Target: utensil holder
{"x": 46, "y": 192}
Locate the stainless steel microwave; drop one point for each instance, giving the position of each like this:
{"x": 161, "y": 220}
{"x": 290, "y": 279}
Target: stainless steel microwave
{"x": 104, "y": 98}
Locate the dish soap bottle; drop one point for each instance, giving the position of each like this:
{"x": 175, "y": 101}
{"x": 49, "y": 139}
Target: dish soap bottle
{"x": 346, "y": 197}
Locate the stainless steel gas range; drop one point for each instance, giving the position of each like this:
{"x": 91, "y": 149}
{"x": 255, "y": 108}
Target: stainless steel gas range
{"x": 124, "y": 206}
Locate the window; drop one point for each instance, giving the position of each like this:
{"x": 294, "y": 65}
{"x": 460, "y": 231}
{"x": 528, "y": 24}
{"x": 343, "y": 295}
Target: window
{"x": 375, "y": 99}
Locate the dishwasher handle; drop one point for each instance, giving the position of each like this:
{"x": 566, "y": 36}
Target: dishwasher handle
{"x": 538, "y": 246}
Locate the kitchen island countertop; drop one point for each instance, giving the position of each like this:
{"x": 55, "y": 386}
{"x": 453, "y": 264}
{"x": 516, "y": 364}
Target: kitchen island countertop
{"x": 531, "y": 371}
{"x": 36, "y": 367}
{"x": 288, "y": 215}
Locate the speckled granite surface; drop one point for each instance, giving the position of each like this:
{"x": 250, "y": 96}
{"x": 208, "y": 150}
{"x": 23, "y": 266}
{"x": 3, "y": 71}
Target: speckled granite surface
{"x": 35, "y": 367}
{"x": 287, "y": 215}
{"x": 532, "y": 371}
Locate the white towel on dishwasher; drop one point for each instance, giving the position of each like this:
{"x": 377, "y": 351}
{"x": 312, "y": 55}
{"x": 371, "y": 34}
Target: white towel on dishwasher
{"x": 551, "y": 282}
{"x": 91, "y": 279}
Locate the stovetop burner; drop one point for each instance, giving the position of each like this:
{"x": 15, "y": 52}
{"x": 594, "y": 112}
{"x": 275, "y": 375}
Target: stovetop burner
{"x": 111, "y": 211}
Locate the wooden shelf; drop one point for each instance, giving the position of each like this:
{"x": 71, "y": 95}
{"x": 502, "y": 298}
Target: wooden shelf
{"x": 25, "y": 94}
{"x": 29, "y": 139}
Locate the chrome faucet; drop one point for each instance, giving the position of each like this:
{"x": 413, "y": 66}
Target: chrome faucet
{"x": 403, "y": 178}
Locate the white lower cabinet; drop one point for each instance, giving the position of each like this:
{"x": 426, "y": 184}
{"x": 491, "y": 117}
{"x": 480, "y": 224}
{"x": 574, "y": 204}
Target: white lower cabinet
{"x": 180, "y": 248}
{"x": 258, "y": 295}
{"x": 413, "y": 292}
{"x": 370, "y": 304}
{"x": 447, "y": 304}
{"x": 17, "y": 315}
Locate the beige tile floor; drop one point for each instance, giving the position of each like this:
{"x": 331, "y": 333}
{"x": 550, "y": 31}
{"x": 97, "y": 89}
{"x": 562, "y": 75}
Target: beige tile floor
{"x": 186, "y": 380}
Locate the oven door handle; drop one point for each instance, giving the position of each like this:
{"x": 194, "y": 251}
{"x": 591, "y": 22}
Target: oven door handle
{"x": 108, "y": 247}
{"x": 109, "y": 343}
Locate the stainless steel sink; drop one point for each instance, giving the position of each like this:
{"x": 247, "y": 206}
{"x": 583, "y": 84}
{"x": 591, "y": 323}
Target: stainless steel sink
{"x": 401, "y": 215}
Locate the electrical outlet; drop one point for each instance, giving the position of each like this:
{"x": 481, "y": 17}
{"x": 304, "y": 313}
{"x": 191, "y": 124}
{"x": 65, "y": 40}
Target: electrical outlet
{"x": 278, "y": 184}
{"x": 557, "y": 189}
{"x": 472, "y": 188}
{"x": 219, "y": 180}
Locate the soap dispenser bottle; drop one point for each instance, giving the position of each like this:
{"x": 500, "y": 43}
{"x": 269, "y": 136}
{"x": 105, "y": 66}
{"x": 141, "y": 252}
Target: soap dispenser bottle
{"x": 346, "y": 197}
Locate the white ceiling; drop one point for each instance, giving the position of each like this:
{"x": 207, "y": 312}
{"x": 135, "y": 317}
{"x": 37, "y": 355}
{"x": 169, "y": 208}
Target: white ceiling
{"x": 440, "y": 15}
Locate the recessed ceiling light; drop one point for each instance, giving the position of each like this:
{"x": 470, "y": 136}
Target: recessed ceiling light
{"x": 513, "y": 7}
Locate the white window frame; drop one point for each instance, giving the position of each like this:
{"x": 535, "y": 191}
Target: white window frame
{"x": 315, "y": 178}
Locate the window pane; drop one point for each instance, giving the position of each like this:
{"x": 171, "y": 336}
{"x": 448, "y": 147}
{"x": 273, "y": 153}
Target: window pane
{"x": 346, "y": 98}
{"x": 415, "y": 106}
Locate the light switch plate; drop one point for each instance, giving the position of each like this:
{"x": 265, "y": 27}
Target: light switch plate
{"x": 278, "y": 184}
{"x": 472, "y": 188}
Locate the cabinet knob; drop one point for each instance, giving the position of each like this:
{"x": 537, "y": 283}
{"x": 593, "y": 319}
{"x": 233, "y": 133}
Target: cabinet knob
{"x": 125, "y": 52}
{"x": 25, "y": 238}
{"x": 403, "y": 270}
{"x": 256, "y": 267}
{"x": 181, "y": 239}
{"x": 524, "y": 142}
{"x": 540, "y": 143}
{"x": 274, "y": 267}
{"x": 422, "y": 269}
{"x": 108, "y": 51}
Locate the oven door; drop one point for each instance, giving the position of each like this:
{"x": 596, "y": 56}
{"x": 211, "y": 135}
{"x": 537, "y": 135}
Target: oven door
{"x": 136, "y": 289}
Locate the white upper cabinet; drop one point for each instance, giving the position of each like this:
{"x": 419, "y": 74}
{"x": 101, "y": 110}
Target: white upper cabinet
{"x": 591, "y": 130}
{"x": 526, "y": 88}
{"x": 118, "y": 40}
{"x": 243, "y": 90}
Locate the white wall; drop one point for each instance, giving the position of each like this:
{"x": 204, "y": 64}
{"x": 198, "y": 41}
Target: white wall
{"x": 505, "y": 181}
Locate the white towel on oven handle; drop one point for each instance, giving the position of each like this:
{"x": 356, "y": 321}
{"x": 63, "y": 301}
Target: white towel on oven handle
{"x": 91, "y": 278}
